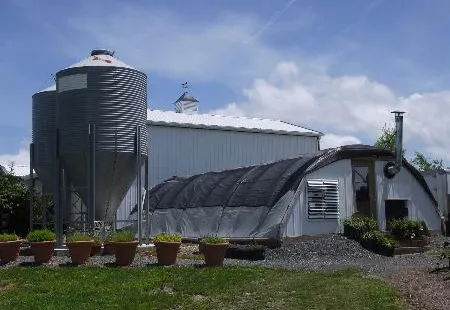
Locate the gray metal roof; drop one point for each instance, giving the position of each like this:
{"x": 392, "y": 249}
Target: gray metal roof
{"x": 186, "y": 97}
{"x": 100, "y": 61}
{"x": 51, "y": 88}
{"x": 231, "y": 123}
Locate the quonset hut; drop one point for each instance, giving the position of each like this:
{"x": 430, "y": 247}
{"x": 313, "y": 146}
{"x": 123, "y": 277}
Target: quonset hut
{"x": 305, "y": 195}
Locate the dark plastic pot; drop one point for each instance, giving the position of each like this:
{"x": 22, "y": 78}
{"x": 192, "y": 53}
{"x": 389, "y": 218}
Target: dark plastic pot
{"x": 9, "y": 251}
{"x": 80, "y": 251}
{"x": 108, "y": 248}
{"x": 215, "y": 254}
{"x": 42, "y": 251}
{"x": 166, "y": 252}
{"x": 96, "y": 249}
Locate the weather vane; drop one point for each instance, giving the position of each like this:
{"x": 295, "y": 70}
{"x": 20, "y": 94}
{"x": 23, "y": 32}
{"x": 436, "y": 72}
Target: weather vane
{"x": 184, "y": 86}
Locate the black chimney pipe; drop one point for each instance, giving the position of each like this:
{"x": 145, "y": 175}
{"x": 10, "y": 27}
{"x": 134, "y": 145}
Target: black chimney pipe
{"x": 391, "y": 169}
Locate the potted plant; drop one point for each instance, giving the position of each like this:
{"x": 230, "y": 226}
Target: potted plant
{"x": 167, "y": 247}
{"x": 42, "y": 243}
{"x": 9, "y": 247}
{"x": 97, "y": 247}
{"x": 124, "y": 247}
{"x": 214, "y": 249}
{"x": 80, "y": 246}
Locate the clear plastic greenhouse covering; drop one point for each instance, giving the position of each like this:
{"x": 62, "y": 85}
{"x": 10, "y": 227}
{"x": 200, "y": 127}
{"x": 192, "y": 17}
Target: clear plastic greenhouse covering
{"x": 248, "y": 202}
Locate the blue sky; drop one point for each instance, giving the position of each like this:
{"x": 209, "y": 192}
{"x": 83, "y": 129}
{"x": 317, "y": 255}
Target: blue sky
{"x": 335, "y": 66}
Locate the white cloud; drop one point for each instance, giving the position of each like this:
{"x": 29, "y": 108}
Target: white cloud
{"x": 332, "y": 140}
{"x": 20, "y": 161}
{"x": 347, "y": 108}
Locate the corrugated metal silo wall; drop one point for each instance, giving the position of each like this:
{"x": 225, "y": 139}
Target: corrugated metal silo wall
{"x": 44, "y": 137}
{"x": 189, "y": 151}
{"x": 115, "y": 100}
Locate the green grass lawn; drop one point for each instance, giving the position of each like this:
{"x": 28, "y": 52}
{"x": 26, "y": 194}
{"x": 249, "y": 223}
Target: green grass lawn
{"x": 190, "y": 288}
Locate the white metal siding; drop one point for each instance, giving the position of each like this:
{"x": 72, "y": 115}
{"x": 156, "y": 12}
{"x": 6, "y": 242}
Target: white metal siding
{"x": 298, "y": 222}
{"x": 404, "y": 186}
{"x": 188, "y": 151}
{"x": 175, "y": 151}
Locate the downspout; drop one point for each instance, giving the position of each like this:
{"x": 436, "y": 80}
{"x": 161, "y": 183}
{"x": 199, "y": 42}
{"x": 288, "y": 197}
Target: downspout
{"x": 391, "y": 169}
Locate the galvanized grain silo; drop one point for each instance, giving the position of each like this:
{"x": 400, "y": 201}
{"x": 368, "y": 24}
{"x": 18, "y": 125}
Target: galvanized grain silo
{"x": 44, "y": 136}
{"x": 102, "y": 106}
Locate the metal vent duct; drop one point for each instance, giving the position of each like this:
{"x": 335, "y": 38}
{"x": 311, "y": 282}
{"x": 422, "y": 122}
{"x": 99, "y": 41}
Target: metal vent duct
{"x": 44, "y": 136}
{"x": 101, "y": 102}
{"x": 391, "y": 169}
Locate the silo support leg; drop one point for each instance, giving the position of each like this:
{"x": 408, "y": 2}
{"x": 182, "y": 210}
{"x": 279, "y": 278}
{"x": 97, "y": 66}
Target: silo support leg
{"x": 138, "y": 183}
{"x": 91, "y": 179}
{"x": 147, "y": 205}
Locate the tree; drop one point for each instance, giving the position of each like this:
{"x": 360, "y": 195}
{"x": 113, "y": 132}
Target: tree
{"x": 425, "y": 164}
{"x": 14, "y": 204}
{"x": 387, "y": 139}
{"x": 420, "y": 161}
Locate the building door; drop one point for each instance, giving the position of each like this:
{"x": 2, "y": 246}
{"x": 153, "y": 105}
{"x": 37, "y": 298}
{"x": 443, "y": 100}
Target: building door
{"x": 363, "y": 173}
{"x": 395, "y": 209}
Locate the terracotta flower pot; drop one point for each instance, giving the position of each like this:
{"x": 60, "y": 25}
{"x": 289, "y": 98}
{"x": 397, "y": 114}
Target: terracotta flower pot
{"x": 166, "y": 252}
{"x": 9, "y": 251}
{"x": 42, "y": 251}
{"x": 80, "y": 251}
{"x": 215, "y": 253}
{"x": 96, "y": 249}
{"x": 125, "y": 252}
{"x": 108, "y": 248}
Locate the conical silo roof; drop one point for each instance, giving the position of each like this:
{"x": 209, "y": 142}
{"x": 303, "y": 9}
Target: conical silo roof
{"x": 100, "y": 58}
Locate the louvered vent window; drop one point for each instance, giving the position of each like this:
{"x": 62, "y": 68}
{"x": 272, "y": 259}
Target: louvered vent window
{"x": 323, "y": 199}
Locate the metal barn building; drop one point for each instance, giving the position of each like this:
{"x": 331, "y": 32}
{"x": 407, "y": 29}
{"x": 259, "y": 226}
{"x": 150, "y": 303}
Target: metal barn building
{"x": 306, "y": 195}
{"x": 185, "y": 144}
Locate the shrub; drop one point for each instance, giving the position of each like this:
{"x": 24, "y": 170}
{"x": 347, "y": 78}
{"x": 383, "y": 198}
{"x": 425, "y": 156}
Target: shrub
{"x": 167, "y": 238}
{"x": 8, "y": 237}
{"x": 406, "y": 228}
{"x": 122, "y": 236}
{"x": 78, "y": 237}
{"x": 213, "y": 239}
{"x": 40, "y": 235}
{"x": 378, "y": 242}
{"x": 356, "y": 226}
